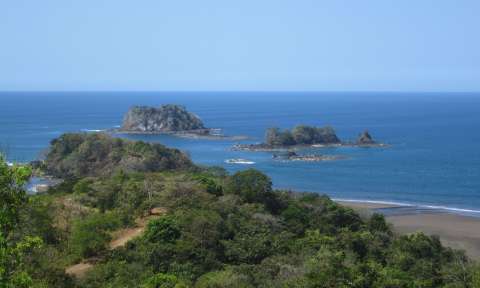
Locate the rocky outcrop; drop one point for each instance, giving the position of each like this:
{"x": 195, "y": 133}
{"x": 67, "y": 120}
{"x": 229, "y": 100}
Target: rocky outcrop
{"x": 165, "y": 119}
{"x": 293, "y": 156}
{"x": 365, "y": 139}
{"x": 301, "y": 135}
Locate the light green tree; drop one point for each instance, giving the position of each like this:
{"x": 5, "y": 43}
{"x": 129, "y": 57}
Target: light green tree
{"x": 13, "y": 197}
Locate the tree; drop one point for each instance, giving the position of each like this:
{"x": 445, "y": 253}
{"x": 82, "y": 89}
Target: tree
{"x": 253, "y": 187}
{"x": 163, "y": 229}
{"x": 164, "y": 281}
{"x": 12, "y": 251}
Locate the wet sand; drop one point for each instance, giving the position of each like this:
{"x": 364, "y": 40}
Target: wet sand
{"x": 456, "y": 231}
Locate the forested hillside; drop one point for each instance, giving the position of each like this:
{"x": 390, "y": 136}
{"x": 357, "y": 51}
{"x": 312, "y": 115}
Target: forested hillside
{"x": 97, "y": 154}
{"x": 215, "y": 229}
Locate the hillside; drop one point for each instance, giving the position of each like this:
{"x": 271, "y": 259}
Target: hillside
{"x": 217, "y": 230}
{"x": 92, "y": 154}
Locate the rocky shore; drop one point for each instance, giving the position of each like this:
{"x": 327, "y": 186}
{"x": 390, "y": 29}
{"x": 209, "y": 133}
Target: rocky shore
{"x": 293, "y": 156}
{"x": 262, "y": 147}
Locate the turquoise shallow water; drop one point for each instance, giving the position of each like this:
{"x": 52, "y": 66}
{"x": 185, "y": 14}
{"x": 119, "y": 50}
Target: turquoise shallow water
{"x": 434, "y": 158}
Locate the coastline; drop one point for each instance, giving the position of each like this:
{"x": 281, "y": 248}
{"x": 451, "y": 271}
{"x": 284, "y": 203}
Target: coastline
{"x": 455, "y": 230}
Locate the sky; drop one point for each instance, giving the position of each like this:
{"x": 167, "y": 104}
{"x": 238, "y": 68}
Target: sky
{"x": 243, "y": 45}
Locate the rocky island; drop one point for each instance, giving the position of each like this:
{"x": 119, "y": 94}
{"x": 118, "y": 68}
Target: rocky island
{"x": 164, "y": 119}
{"x": 168, "y": 119}
{"x": 303, "y": 136}
{"x": 365, "y": 139}
{"x": 300, "y": 136}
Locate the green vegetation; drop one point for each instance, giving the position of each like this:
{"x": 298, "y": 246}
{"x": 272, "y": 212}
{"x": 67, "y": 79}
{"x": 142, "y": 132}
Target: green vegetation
{"x": 80, "y": 155}
{"x": 301, "y": 135}
{"x": 90, "y": 235}
{"x": 219, "y": 230}
{"x": 13, "y": 248}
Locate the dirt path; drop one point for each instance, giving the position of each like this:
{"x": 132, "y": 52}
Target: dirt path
{"x": 124, "y": 236}
{"x": 79, "y": 270}
{"x": 120, "y": 238}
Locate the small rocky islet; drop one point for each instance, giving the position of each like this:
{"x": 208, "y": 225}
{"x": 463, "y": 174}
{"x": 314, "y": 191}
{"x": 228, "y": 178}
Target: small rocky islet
{"x": 285, "y": 143}
{"x": 303, "y": 136}
{"x": 169, "y": 119}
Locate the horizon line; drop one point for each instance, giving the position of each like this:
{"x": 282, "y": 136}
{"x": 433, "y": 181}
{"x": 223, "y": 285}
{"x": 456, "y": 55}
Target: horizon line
{"x": 239, "y": 91}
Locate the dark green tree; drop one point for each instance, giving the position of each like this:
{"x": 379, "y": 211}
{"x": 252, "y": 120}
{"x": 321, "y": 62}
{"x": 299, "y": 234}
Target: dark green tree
{"x": 252, "y": 186}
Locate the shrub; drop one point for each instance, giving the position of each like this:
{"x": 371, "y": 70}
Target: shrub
{"x": 164, "y": 281}
{"x": 90, "y": 236}
{"x": 163, "y": 229}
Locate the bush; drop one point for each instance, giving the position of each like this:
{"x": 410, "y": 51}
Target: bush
{"x": 163, "y": 229}
{"x": 90, "y": 236}
{"x": 223, "y": 279}
{"x": 164, "y": 281}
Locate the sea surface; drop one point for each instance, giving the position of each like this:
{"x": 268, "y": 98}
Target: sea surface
{"x": 433, "y": 160}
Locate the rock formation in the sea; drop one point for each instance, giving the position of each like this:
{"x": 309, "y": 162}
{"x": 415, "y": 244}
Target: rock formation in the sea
{"x": 301, "y": 135}
{"x": 293, "y": 156}
{"x": 365, "y": 139}
{"x": 164, "y": 119}
{"x": 276, "y": 139}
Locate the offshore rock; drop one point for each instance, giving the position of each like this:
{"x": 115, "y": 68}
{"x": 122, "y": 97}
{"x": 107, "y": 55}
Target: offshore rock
{"x": 365, "y": 139}
{"x": 165, "y": 119}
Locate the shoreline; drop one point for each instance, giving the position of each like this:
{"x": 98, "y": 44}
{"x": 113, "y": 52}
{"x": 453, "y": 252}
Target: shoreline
{"x": 455, "y": 230}
{"x": 379, "y": 204}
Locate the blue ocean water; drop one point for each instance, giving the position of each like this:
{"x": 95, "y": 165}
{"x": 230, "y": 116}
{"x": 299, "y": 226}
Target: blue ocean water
{"x": 433, "y": 160}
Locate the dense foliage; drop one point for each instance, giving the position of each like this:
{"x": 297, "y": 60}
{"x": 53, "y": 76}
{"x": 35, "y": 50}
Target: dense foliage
{"x": 93, "y": 154}
{"x": 13, "y": 249}
{"x": 216, "y": 230}
{"x": 301, "y": 135}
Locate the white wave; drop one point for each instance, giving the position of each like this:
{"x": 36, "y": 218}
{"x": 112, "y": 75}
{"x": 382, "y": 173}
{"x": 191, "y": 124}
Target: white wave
{"x": 375, "y": 202}
{"x": 393, "y": 203}
{"x": 239, "y": 161}
{"x": 10, "y": 164}
{"x": 92, "y": 130}
{"x": 453, "y": 209}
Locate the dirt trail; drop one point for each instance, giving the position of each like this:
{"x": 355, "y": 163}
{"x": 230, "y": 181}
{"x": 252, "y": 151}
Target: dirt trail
{"x": 79, "y": 270}
{"x": 120, "y": 238}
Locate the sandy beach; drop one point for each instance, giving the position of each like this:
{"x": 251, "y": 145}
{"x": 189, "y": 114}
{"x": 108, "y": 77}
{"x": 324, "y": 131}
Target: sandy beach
{"x": 456, "y": 231}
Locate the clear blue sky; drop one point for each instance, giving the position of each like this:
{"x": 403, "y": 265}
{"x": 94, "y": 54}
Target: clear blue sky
{"x": 394, "y": 45}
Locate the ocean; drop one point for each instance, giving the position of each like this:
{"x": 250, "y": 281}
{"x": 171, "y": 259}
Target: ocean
{"x": 433, "y": 160}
